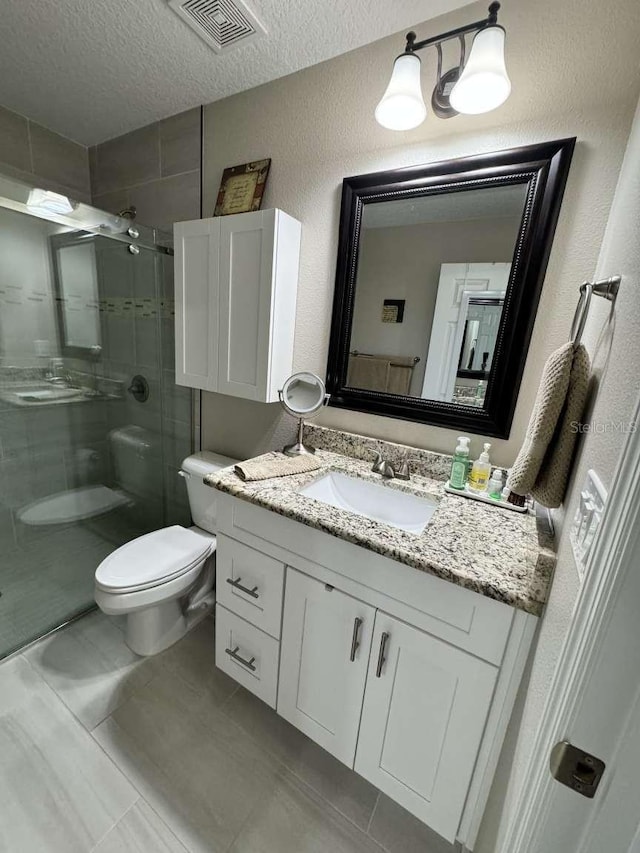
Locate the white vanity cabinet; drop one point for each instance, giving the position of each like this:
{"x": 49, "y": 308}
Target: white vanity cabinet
{"x": 236, "y": 280}
{"x": 414, "y": 706}
{"x": 406, "y": 678}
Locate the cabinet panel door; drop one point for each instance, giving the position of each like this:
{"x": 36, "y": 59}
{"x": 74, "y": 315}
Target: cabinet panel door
{"x": 424, "y": 712}
{"x": 322, "y": 673}
{"x": 246, "y": 284}
{"x": 197, "y": 249}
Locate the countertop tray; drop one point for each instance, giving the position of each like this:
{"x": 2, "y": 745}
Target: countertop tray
{"x": 485, "y": 499}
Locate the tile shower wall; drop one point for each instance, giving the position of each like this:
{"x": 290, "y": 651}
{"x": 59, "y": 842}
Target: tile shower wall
{"x": 157, "y": 169}
{"x": 39, "y": 156}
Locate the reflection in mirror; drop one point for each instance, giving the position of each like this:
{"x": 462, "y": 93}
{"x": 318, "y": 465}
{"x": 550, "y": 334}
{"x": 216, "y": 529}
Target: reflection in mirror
{"x": 431, "y": 280}
{"x": 76, "y": 284}
{"x": 478, "y": 324}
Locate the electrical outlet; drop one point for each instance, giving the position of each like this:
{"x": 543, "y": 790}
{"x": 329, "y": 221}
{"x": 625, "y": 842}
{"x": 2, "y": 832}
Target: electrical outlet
{"x": 587, "y": 519}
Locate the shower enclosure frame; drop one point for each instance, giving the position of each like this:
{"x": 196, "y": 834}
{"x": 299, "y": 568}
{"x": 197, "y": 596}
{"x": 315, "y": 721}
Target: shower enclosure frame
{"x": 86, "y": 220}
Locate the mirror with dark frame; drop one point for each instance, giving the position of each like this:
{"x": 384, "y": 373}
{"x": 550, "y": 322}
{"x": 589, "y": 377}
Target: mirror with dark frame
{"x": 438, "y": 279}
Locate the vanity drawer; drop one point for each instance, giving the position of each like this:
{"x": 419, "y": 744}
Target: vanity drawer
{"x": 247, "y": 654}
{"x": 250, "y": 584}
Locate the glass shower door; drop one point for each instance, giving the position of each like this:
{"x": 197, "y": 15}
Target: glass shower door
{"x": 88, "y": 460}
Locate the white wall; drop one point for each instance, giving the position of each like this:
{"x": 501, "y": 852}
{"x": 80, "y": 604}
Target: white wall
{"x": 574, "y": 72}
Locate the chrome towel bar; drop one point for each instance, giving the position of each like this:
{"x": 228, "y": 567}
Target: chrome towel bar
{"x": 606, "y": 287}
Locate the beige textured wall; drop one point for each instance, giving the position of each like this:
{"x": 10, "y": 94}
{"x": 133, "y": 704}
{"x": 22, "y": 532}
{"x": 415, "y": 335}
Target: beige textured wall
{"x": 403, "y": 262}
{"x": 318, "y": 127}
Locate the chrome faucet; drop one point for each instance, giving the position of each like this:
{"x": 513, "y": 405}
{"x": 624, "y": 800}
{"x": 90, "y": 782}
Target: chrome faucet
{"x": 382, "y": 467}
{"x": 57, "y": 374}
{"x": 385, "y": 469}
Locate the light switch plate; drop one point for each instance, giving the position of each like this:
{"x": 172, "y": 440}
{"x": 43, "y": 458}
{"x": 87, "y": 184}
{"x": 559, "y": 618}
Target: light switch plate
{"x": 587, "y": 519}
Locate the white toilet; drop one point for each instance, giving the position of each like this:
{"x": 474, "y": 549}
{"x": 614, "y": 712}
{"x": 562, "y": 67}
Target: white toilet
{"x": 164, "y": 581}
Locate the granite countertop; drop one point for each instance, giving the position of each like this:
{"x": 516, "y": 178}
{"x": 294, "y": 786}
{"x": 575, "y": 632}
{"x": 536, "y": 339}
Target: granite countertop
{"x": 505, "y": 555}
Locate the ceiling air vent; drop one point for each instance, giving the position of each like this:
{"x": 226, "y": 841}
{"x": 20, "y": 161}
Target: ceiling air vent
{"x": 223, "y": 24}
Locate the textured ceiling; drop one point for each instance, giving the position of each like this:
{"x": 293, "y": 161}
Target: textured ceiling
{"x": 94, "y": 70}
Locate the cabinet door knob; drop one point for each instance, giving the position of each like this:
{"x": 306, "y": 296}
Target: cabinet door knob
{"x": 381, "y": 658}
{"x": 355, "y": 643}
{"x": 233, "y": 653}
{"x": 235, "y": 582}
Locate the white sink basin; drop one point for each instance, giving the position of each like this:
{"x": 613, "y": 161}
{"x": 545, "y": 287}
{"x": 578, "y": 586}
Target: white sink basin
{"x": 379, "y": 503}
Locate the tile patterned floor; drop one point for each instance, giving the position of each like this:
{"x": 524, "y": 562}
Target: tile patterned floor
{"x": 103, "y": 751}
{"x": 47, "y": 580}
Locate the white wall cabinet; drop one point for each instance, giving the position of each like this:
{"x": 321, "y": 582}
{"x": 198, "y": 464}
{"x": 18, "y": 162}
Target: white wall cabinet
{"x": 324, "y": 663}
{"x": 405, "y": 677}
{"x": 236, "y": 280}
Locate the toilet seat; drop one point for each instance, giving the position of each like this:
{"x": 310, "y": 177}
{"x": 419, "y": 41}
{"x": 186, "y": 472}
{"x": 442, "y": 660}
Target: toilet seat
{"x": 153, "y": 559}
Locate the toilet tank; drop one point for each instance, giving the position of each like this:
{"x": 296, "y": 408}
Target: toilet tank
{"x": 203, "y": 500}
{"x": 136, "y": 456}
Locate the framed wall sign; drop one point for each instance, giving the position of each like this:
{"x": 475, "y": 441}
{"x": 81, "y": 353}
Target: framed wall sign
{"x": 242, "y": 188}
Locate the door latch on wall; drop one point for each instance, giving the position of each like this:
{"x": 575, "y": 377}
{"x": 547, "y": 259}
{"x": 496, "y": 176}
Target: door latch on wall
{"x": 576, "y": 768}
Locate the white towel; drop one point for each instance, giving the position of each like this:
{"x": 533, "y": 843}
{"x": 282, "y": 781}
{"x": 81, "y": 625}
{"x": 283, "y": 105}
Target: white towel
{"x": 543, "y": 464}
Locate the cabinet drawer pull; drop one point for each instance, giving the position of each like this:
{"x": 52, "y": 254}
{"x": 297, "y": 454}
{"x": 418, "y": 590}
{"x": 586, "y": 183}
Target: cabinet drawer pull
{"x": 355, "y": 643}
{"x": 233, "y": 653}
{"x": 381, "y": 658}
{"x": 236, "y": 582}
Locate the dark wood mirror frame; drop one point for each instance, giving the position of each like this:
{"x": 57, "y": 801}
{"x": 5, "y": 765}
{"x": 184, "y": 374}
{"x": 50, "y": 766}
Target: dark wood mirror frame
{"x": 544, "y": 169}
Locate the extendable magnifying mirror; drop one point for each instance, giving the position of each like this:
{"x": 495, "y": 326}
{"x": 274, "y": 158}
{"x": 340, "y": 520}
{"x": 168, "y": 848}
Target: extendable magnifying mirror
{"x": 302, "y": 396}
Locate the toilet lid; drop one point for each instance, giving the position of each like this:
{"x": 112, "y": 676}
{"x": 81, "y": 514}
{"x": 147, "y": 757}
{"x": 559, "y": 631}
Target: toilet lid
{"x": 153, "y": 558}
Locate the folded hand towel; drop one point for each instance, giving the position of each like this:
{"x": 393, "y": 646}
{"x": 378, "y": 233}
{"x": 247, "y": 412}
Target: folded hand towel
{"x": 543, "y": 464}
{"x": 275, "y": 465}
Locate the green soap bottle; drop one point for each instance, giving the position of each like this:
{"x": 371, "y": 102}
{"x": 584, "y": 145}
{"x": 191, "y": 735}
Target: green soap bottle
{"x": 460, "y": 464}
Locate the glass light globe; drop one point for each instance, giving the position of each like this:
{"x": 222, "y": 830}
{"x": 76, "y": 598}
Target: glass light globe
{"x": 402, "y": 106}
{"x": 484, "y": 83}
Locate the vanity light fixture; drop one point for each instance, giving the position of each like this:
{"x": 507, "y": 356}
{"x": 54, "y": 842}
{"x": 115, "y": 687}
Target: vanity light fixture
{"x": 474, "y": 86}
{"x": 46, "y": 201}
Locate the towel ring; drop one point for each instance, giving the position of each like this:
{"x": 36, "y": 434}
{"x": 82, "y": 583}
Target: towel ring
{"x": 582, "y": 310}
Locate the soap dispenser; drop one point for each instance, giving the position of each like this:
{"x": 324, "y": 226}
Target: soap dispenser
{"x": 481, "y": 471}
{"x": 460, "y": 464}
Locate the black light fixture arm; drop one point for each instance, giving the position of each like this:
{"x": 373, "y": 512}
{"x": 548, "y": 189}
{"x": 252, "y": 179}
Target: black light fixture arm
{"x": 490, "y": 21}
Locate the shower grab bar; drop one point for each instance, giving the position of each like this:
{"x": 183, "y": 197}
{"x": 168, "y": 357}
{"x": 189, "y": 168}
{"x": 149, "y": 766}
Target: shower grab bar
{"x": 607, "y": 288}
